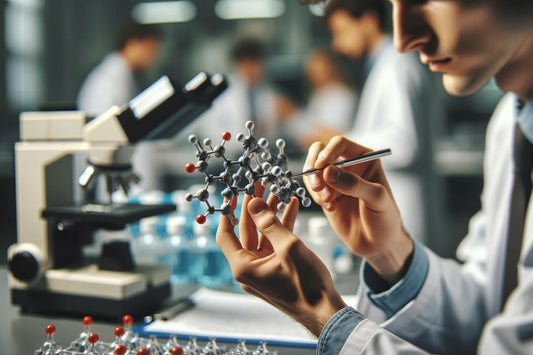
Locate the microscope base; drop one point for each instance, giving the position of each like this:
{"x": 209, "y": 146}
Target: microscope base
{"x": 103, "y": 294}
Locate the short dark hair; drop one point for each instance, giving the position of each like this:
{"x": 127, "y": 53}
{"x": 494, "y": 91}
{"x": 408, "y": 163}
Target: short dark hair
{"x": 248, "y": 48}
{"x": 357, "y": 8}
{"x": 132, "y": 29}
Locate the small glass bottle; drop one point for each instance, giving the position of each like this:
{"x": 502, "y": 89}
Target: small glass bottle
{"x": 210, "y": 266}
{"x": 321, "y": 240}
{"x": 180, "y": 251}
{"x": 147, "y": 248}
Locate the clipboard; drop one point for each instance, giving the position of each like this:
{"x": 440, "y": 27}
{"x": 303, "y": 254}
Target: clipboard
{"x": 230, "y": 317}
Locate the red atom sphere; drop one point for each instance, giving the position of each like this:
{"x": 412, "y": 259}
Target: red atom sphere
{"x": 50, "y": 329}
{"x": 176, "y": 351}
{"x": 143, "y": 351}
{"x": 87, "y": 321}
{"x": 190, "y": 168}
{"x": 226, "y": 136}
{"x": 119, "y": 331}
{"x": 127, "y": 320}
{"x": 120, "y": 350}
{"x": 93, "y": 338}
{"x": 200, "y": 219}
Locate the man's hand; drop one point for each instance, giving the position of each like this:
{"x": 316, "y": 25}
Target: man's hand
{"x": 276, "y": 266}
{"x": 359, "y": 205}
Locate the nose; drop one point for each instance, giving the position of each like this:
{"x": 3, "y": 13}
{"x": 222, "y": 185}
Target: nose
{"x": 411, "y": 31}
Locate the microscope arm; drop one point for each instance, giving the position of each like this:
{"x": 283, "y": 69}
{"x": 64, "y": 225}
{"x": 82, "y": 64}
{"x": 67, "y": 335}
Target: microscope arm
{"x": 159, "y": 112}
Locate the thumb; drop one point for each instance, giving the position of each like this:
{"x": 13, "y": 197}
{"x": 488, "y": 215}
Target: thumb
{"x": 266, "y": 221}
{"x": 375, "y": 195}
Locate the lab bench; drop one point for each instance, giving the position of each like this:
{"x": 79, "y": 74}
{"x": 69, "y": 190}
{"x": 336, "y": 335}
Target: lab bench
{"x": 22, "y": 334}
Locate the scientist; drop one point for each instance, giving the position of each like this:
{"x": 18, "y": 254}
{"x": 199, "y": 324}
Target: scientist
{"x": 331, "y": 106}
{"x": 425, "y": 303}
{"x": 397, "y": 98}
{"x": 247, "y": 98}
{"x": 112, "y": 82}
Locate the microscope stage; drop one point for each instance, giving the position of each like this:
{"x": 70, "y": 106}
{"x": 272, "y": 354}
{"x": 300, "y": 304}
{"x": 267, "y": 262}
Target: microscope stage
{"x": 107, "y": 214}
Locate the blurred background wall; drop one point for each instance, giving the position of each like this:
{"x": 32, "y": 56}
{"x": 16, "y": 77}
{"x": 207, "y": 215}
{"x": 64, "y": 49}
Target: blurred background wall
{"x": 47, "y": 47}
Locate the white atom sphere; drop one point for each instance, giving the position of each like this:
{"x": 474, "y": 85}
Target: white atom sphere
{"x": 262, "y": 142}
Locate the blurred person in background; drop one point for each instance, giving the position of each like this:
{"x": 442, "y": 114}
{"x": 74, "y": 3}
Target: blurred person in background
{"x": 248, "y": 98}
{"x": 112, "y": 81}
{"x": 397, "y": 98}
{"x": 331, "y": 106}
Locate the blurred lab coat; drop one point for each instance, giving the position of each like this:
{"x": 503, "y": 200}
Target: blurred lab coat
{"x": 396, "y": 105}
{"x": 331, "y": 108}
{"x": 110, "y": 83}
{"x": 458, "y": 303}
{"x": 230, "y": 112}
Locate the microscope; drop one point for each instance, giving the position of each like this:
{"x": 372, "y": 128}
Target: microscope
{"x": 47, "y": 269}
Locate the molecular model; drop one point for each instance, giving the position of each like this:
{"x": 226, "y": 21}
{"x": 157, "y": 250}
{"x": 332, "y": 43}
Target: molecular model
{"x": 128, "y": 342}
{"x": 257, "y": 164}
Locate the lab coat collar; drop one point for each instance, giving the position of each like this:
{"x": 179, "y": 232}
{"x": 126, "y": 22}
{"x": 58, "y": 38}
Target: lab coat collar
{"x": 524, "y": 117}
{"x": 373, "y": 57}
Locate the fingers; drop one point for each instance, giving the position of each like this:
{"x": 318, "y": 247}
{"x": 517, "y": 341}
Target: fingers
{"x": 289, "y": 215}
{"x": 338, "y": 146}
{"x": 312, "y": 155}
{"x": 226, "y": 238}
{"x": 314, "y": 182}
{"x": 267, "y": 222}
{"x": 272, "y": 203}
{"x": 318, "y": 189}
{"x": 259, "y": 189}
{"x": 247, "y": 230}
{"x": 345, "y": 182}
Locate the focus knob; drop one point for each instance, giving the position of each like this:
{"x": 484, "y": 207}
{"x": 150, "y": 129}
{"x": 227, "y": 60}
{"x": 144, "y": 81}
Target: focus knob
{"x": 25, "y": 262}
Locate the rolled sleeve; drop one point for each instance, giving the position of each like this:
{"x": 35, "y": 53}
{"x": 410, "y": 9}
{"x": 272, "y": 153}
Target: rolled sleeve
{"x": 396, "y": 297}
{"x": 337, "y": 331}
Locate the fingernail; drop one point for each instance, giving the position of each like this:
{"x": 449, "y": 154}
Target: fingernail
{"x": 257, "y": 206}
{"x": 314, "y": 180}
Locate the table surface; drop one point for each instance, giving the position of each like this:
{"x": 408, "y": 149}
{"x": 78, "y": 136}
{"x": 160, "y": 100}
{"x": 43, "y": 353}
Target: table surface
{"x": 22, "y": 333}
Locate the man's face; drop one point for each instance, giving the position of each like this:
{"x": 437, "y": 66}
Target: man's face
{"x": 250, "y": 70}
{"x": 145, "y": 51}
{"x": 465, "y": 40}
{"x": 349, "y": 34}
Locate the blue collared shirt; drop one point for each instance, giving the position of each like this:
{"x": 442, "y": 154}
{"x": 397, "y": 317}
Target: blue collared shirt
{"x": 340, "y": 326}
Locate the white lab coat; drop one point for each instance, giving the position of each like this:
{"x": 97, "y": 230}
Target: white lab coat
{"x": 331, "y": 107}
{"x": 230, "y": 112}
{"x": 458, "y": 307}
{"x": 110, "y": 83}
{"x": 397, "y": 104}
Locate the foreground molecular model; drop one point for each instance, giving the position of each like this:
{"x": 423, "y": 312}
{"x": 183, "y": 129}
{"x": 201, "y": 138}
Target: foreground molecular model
{"x": 127, "y": 342}
{"x": 257, "y": 164}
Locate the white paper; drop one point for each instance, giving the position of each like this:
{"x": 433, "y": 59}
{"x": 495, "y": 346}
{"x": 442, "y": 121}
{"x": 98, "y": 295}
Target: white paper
{"x": 233, "y": 316}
